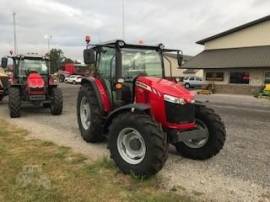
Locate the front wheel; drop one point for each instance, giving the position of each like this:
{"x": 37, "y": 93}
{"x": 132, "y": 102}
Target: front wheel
{"x": 208, "y": 121}
{"x": 56, "y": 105}
{"x": 137, "y": 144}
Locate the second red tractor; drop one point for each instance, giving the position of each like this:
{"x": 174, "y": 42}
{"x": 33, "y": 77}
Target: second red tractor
{"x": 30, "y": 82}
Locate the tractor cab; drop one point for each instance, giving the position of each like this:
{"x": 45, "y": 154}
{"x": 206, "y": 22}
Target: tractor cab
{"x": 118, "y": 65}
{"x": 24, "y": 65}
{"x": 129, "y": 102}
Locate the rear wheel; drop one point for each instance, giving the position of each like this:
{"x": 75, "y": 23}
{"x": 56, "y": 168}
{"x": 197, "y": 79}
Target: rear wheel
{"x": 89, "y": 115}
{"x": 210, "y": 122}
{"x": 14, "y": 102}
{"x": 56, "y": 105}
{"x": 137, "y": 144}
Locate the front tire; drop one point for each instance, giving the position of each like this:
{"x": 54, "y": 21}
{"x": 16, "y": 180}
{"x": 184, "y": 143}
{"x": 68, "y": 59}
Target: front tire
{"x": 137, "y": 144}
{"x": 209, "y": 147}
{"x": 14, "y": 102}
{"x": 89, "y": 115}
{"x": 56, "y": 105}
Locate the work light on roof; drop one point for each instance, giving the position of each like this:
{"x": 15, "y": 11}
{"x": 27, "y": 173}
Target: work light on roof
{"x": 121, "y": 43}
{"x": 87, "y": 39}
{"x": 161, "y": 46}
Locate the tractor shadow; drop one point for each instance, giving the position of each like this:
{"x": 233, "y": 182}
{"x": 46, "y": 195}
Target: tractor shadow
{"x": 28, "y": 110}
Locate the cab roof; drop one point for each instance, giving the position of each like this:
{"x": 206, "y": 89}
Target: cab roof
{"x": 30, "y": 56}
{"x": 122, "y": 44}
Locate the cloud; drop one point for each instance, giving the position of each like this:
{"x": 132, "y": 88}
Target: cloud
{"x": 176, "y": 23}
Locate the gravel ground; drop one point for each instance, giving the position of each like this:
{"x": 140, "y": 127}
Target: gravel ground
{"x": 241, "y": 172}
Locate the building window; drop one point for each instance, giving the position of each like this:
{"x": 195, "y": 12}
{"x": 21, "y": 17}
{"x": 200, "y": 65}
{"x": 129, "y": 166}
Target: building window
{"x": 267, "y": 77}
{"x": 214, "y": 76}
{"x": 239, "y": 77}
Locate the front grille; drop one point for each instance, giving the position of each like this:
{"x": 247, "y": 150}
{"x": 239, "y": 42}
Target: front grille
{"x": 177, "y": 113}
{"x": 37, "y": 97}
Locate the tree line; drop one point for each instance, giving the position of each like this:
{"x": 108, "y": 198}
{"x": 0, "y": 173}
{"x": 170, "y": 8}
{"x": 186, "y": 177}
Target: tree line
{"x": 57, "y": 58}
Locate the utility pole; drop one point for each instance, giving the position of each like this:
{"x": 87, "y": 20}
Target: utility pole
{"x": 48, "y": 37}
{"x": 15, "y": 34}
{"x": 123, "y": 20}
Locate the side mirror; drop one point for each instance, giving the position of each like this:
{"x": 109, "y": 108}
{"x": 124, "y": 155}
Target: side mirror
{"x": 180, "y": 59}
{"x": 4, "y": 62}
{"x": 89, "y": 56}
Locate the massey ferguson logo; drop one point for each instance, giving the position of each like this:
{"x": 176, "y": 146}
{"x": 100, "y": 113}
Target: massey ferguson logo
{"x": 144, "y": 86}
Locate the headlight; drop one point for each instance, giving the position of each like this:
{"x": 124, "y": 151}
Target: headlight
{"x": 174, "y": 100}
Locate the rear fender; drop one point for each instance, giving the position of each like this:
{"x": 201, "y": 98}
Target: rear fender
{"x": 126, "y": 108}
{"x": 100, "y": 91}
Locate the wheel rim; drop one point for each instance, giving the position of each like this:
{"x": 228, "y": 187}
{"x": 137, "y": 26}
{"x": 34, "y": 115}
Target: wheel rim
{"x": 131, "y": 146}
{"x": 85, "y": 113}
{"x": 196, "y": 144}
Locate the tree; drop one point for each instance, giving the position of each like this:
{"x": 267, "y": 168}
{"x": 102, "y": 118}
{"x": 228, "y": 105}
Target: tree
{"x": 67, "y": 61}
{"x": 56, "y": 56}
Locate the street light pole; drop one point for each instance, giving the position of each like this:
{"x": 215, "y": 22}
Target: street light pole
{"x": 15, "y": 34}
{"x": 123, "y": 20}
{"x": 48, "y": 37}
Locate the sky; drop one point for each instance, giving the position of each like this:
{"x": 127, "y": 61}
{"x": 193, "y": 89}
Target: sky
{"x": 175, "y": 23}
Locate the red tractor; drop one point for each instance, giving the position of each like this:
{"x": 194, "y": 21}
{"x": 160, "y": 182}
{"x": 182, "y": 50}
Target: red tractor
{"x": 129, "y": 102}
{"x": 32, "y": 83}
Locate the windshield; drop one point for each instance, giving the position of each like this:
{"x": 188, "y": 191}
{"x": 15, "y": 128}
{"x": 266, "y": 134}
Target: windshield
{"x": 28, "y": 65}
{"x": 141, "y": 62}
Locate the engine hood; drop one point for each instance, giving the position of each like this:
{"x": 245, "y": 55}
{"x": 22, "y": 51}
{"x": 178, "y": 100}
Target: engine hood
{"x": 166, "y": 87}
{"x": 35, "y": 80}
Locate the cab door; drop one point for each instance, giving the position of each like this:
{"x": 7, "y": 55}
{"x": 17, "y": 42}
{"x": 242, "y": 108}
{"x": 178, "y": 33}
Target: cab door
{"x": 106, "y": 70}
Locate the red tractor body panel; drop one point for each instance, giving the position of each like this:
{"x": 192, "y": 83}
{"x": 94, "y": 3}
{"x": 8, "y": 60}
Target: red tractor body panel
{"x": 151, "y": 90}
{"x": 35, "y": 84}
{"x": 105, "y": 99}
{"x": 35, "y": 80}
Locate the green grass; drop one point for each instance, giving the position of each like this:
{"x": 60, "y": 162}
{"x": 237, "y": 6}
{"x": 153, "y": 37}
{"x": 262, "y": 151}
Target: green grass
{"x": 35, "y": 170}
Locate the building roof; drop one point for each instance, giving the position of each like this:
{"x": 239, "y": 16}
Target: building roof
{"x": 235, "y": 29}
{"x": 248, "y": 57}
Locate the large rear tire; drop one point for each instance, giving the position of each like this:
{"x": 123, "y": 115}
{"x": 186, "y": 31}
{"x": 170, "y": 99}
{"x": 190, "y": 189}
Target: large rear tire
{"x": 14, "y": 102}
{"x": 89, "y": 115}
{"x": 205, "y": 149}
{"x": 56, "y": 105}
{"x": 137, "y": 144}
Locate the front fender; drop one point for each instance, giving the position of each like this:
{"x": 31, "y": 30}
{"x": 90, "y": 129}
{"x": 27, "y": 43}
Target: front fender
{"x": 130, "y": 107}
{"x": 100, "y": 91}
